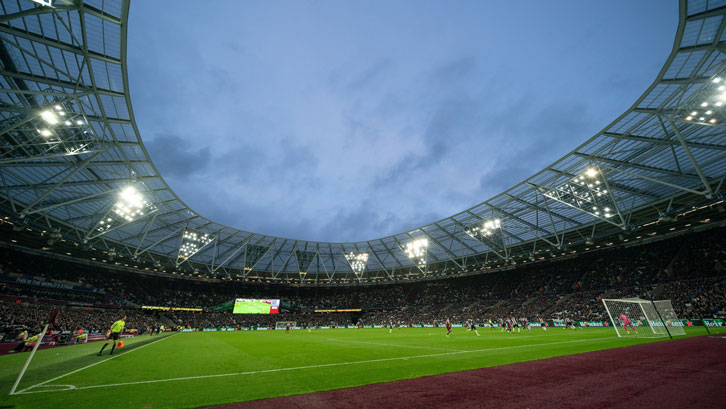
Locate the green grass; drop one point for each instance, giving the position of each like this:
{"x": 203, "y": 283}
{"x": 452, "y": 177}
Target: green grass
{"x": 263, "y": 364}
{"x": 251, "y": 307}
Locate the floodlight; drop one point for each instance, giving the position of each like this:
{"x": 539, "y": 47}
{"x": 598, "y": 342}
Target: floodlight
{"x": 717, "y": 80}
{"x": 357, "y": 262}
{"x": 416, "y": 251}
{"x": 130, "y": 205}
{"x": 192, "y": 242}
{"x": 79, "y": 122}
{"x": 591, "y": 197}
{"x": 49, "y": 117}
{"x": 45, "y": 132}
{"x": 704, "y": 104}
{"x": 486, "y": 228}
{"x": 489, "y": 232}
{"x": 712, "y": 120}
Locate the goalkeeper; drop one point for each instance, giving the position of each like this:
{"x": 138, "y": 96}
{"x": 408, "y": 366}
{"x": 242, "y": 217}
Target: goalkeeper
{"x": 114, "y": 334}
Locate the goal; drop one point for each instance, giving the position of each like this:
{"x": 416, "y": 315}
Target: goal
{"x": 284, "y": 324}
{"x": 651, "y": 318}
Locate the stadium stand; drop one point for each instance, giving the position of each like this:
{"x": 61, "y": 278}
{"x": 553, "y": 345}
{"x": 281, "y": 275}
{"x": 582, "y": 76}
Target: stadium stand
{"x": 687, "y": 269}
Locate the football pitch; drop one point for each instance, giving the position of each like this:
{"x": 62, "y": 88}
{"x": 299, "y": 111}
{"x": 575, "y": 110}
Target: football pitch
{"x": 197, "y": 369}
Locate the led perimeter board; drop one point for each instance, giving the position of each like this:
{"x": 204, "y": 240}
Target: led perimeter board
{"x": 254, "y": 306}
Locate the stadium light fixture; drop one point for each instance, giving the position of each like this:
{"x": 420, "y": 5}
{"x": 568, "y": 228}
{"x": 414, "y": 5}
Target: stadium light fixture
{"x": 192, "y": 242}
{"x": 490, "y": 233}
{"x": 61, "y": 129}
{"x": 487, "y": 228}
{"x": 705, "y": 104}
{"x": 50, "y": 117}
{"x": 130, "y": 206}
{"x": 417, "y": 250}
{"x": 357, "y": 262}
{"x": 589, "y": 193}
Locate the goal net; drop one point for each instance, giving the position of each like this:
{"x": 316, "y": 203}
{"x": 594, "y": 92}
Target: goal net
{"x": 638, "y": 317}
{"x": 284, "y": 324}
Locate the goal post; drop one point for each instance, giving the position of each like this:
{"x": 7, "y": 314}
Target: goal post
{"x": 284, "y": 324}
{"x": 649, "y": 318}
{"x": 669, "y": 317}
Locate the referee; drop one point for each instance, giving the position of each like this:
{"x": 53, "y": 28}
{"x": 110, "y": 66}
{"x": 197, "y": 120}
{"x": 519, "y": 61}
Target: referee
{"x": 114, "y": 333}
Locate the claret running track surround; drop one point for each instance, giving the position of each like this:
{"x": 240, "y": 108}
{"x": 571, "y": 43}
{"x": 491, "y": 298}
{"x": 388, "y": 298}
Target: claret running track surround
{"x": 74, "y": 165}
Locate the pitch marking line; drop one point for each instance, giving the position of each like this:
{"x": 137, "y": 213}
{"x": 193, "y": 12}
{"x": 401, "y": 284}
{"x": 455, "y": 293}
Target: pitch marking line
{"x": 86, "y": 367}
{"x": 403, "y": 358}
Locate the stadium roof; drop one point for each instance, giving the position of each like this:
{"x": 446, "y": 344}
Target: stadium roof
{"x": 74, "y": 162}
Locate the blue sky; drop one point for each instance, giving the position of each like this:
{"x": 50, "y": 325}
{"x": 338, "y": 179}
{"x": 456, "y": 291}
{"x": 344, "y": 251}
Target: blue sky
{"x": 344, "y": 121}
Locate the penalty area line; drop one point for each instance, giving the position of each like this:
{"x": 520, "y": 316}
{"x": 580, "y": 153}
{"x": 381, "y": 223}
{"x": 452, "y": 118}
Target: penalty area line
{"x": 402, "y": 358}
{"x": 26, "y": 390}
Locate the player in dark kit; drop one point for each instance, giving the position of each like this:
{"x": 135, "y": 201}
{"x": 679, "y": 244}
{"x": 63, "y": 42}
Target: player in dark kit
{"x": 287, "y": 328}
{"x": 472, "y": 327}
{"x": 448, "y": 327}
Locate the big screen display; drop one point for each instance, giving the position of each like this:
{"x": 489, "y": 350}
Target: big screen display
{"x": 254, "y": 306}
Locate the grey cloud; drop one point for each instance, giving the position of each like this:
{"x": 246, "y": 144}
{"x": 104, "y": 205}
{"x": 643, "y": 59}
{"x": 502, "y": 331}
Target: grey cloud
{"x": 370, "y": 75}
{"x": 174, "y": 158}
{"x": 364, "y": 222}
{"x": 454, "y": 121}
{"x": 554, "y": 130}
{"x": 454, "y": 70}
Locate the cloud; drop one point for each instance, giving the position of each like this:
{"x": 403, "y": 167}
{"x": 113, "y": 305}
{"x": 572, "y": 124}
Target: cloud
{"x": 315, "y": 129}
{"x": 553, "y": 131}
{"x": 174, "y": 157}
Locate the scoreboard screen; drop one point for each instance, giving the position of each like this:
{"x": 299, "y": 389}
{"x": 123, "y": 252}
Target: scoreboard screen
{"x": 254, "y": 306}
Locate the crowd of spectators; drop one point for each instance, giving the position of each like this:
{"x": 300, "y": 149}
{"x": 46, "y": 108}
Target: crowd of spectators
{"x": 16, "y": 316}
{"x": 689, "y": 270}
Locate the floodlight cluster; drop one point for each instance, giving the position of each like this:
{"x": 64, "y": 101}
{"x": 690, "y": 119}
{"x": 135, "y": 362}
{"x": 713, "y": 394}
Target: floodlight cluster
{"x": 192, "y": 242}
{"x": 357, "y": 262}
{"x": 485, "y": 229}
{"x": 55, "y": 118}
{"x": 416, "y": 251}
{"x": 706, "y": 105}
{"x": 586, "y": 192}
{"x": 130, "y": 205}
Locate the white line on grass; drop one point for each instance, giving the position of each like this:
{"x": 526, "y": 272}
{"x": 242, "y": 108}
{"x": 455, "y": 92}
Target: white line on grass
{"x": 393, "y": 345}
{"x": 88, "y": 366}
{"x": 402, "y": 358}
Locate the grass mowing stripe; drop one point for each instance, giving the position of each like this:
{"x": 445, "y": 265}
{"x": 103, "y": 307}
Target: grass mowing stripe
{"x": 392, "y": 345}
{"x": 88, "y": 366}
{"x": 25, "y": 391}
